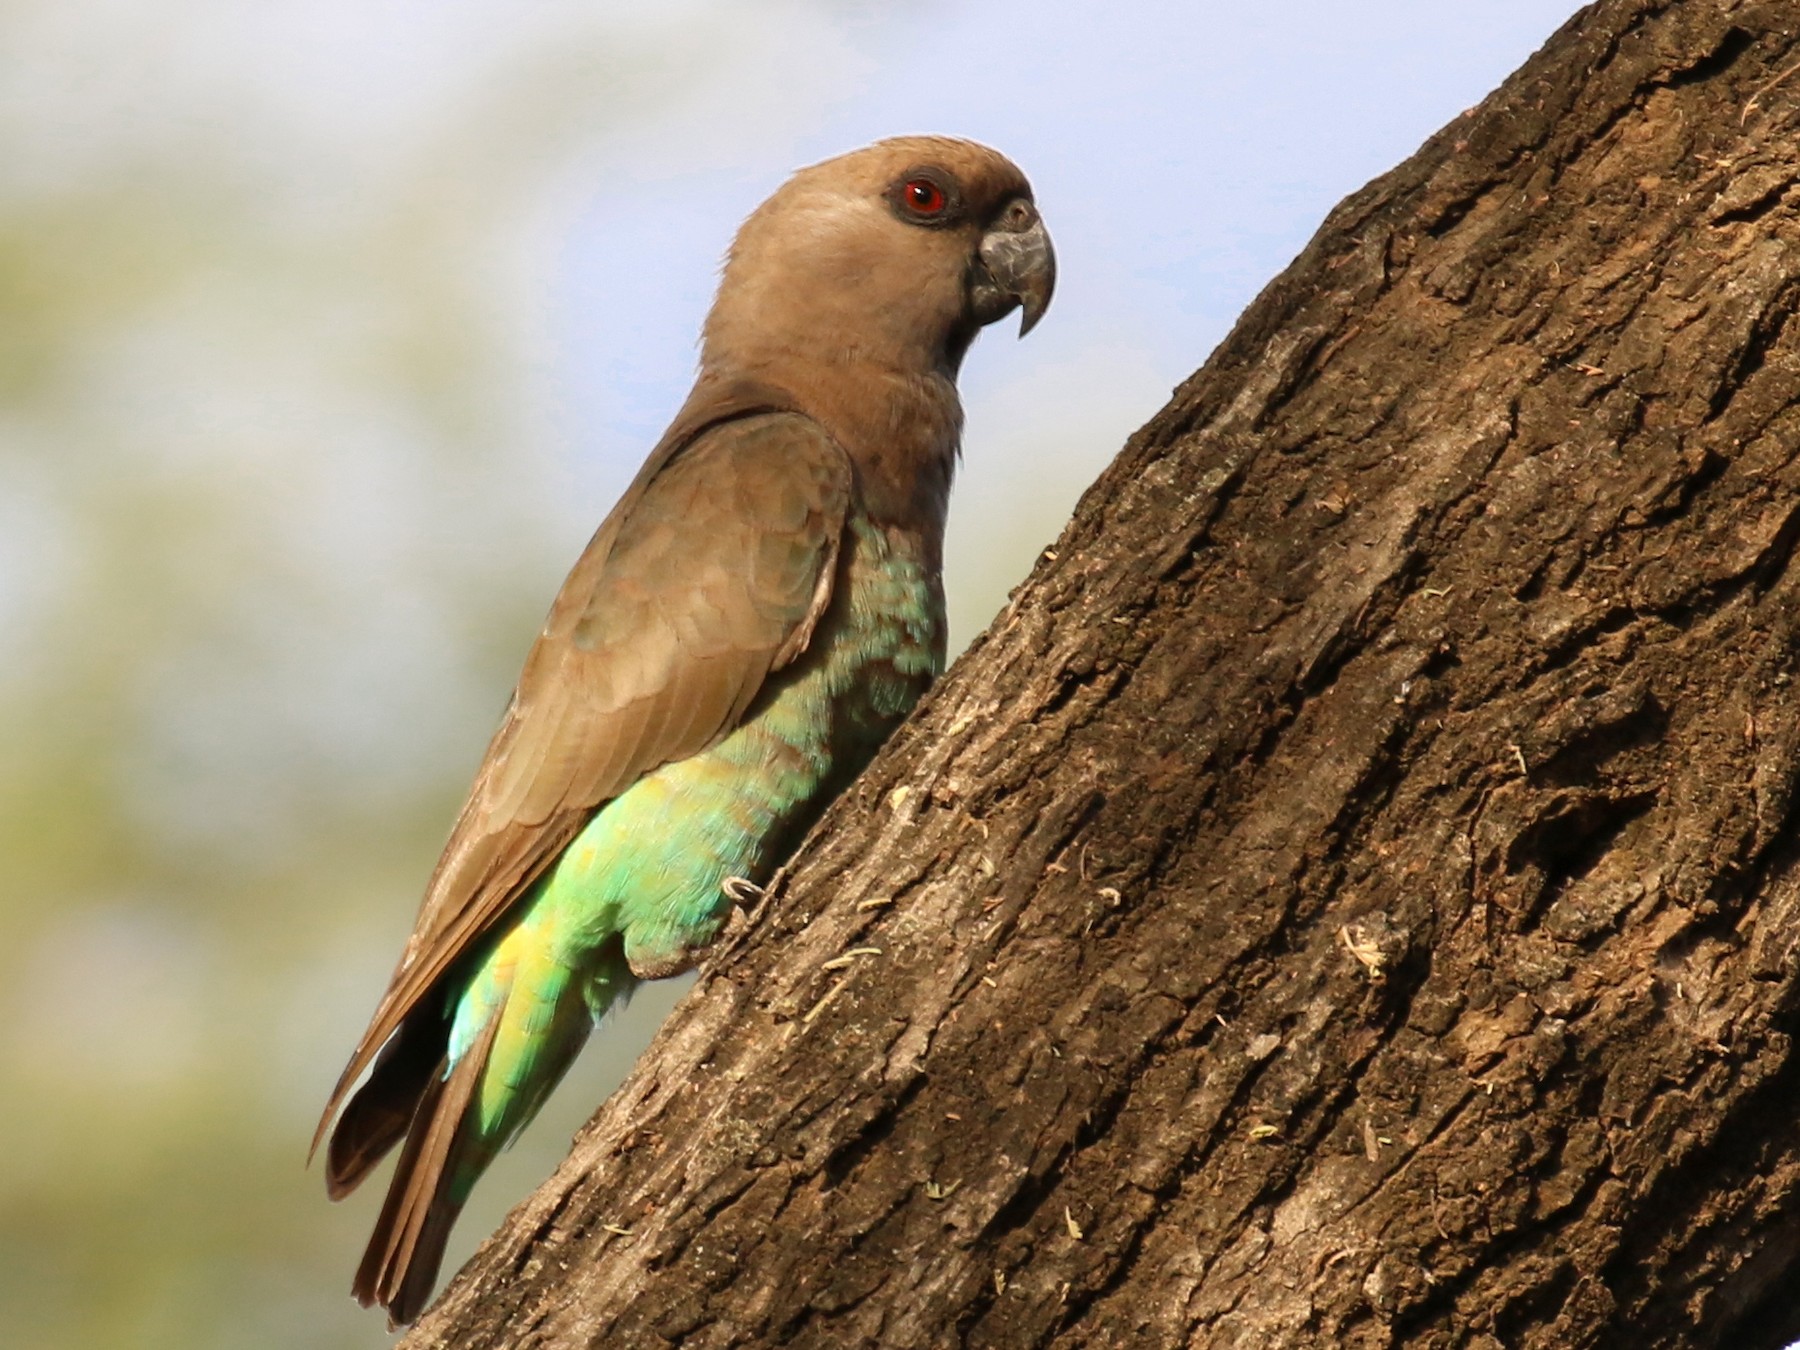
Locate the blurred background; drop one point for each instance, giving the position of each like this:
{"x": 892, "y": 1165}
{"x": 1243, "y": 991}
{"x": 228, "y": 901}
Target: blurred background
{"x": 328, "y": 332}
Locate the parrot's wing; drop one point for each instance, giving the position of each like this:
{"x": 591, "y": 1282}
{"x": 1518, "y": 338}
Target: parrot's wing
{"x": 709, "y": 575}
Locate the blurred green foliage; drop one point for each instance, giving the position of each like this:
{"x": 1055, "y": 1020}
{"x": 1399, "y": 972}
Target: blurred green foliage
{"x": 272, "y": 540}
{"x": 278, "y": 516}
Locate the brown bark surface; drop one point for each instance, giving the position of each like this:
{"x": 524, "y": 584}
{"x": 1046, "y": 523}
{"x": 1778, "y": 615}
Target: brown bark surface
{"x": 1350, "y": 897}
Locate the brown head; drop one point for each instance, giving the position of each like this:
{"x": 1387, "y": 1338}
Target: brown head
{"x": 895, "y": 256}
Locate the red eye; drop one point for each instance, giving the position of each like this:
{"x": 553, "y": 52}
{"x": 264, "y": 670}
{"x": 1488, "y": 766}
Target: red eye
{"x": 922, "y": 196}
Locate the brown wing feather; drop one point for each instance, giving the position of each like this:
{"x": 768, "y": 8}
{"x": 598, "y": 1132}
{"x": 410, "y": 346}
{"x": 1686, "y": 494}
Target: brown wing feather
{"x": 401, "y": 1262}
{"x": 382, "y": 1111}
{"x": 658, "y": 641}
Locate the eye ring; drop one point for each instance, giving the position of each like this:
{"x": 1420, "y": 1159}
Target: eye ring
{"x": 923, "y": 197}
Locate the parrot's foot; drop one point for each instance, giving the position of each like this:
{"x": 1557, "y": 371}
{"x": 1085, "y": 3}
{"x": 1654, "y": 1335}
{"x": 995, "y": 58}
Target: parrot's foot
{"x": 656, "y": 955}
{"x": 744, "y": 897}
{"x": 743, "y": 893}
{"x": 741, "y": 890}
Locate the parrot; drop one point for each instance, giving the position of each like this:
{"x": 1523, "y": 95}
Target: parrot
{"x": 757, "y": 613}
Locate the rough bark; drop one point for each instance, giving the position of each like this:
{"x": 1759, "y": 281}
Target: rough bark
{"x": 1350, "y": 896}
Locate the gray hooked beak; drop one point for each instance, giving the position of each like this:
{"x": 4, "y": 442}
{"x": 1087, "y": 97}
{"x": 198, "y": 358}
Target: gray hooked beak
{"x": 1019, "y": 267}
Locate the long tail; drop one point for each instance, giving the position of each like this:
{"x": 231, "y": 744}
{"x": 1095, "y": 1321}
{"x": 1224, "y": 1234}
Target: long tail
{"x": 459, "y": 1093}
{"x": 401, "y": 1263}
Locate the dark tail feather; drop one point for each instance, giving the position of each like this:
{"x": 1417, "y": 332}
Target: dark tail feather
{"x": 377, "y": 1117}
{"x": 423, "y": 1200}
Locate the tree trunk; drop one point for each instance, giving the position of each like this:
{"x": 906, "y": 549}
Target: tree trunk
{"x": 1350, "y": 896}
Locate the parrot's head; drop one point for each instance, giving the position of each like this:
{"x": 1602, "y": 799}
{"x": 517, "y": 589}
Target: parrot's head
{"x": 898, "y": 253}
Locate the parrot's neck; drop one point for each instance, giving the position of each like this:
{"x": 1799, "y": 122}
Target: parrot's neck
{"x": 902, "y": 429}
